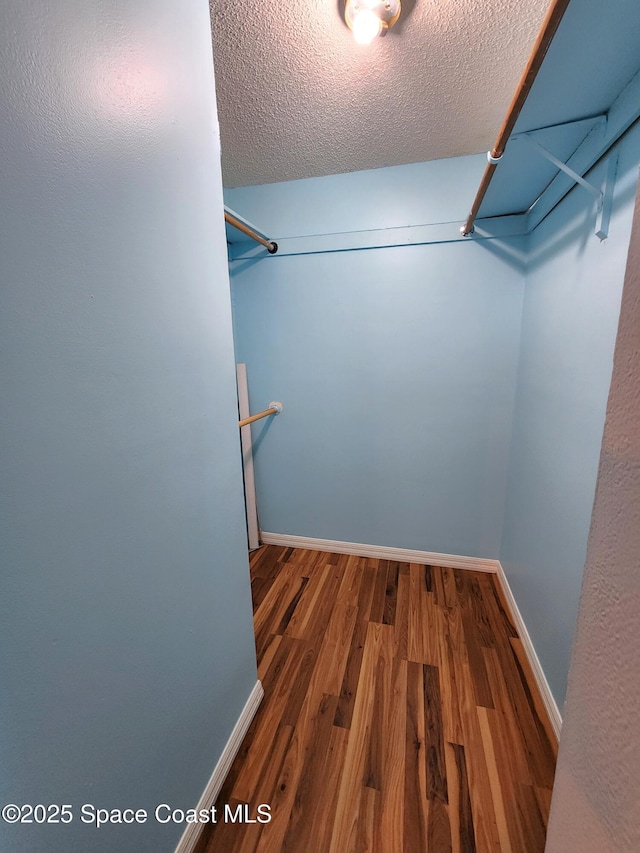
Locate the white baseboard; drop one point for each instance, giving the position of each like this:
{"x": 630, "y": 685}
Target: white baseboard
{"x": 192, "y": 832}
{"x": 381, "y": 552}
{"x": 543, "y": 685}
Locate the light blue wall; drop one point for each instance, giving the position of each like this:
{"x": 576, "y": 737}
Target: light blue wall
{"x": 126, "y": 634}
{"x": 396, "y": 366}
{"x": 570, "y": 316}
{"x": 418, "y": 194}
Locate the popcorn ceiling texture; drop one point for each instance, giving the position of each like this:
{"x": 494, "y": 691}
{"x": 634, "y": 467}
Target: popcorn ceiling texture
{"x": 298, "y": 98}
{"x": 596, "y": 806}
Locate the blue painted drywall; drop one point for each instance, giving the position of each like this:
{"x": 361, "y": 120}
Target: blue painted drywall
{"x": 570, "y": 316}
{"x": 418, "y": 194}
{"x": 126, "y": 641}
{"x": 396, "y": 367}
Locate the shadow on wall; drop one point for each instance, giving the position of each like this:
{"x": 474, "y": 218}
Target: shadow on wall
{"x": 244, "y": 264}
{"x": 258, "y": 439}
{"x": 508, "y": 252}
{"x": 584, "y": 229}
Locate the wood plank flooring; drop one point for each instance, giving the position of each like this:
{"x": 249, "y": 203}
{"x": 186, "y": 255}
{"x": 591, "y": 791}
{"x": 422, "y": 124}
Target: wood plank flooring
{"x": 399, "y": 715}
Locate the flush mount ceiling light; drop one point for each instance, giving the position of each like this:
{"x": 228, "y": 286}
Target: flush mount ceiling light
{"x": 370, "y": 18}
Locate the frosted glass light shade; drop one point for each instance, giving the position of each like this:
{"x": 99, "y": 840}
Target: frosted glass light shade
{"x": 370, "y": 18}
{"x": 366, "y": 26}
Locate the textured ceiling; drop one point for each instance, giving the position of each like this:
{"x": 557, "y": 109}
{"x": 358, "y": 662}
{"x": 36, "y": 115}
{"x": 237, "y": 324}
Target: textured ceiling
{"x": 298, "y": 98}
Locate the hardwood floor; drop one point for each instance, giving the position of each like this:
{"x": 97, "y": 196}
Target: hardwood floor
{"x": 399, "y": 715}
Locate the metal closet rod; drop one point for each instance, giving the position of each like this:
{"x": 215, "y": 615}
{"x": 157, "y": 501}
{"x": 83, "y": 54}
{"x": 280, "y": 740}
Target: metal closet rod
{"x": 548, "y": 30}
{"x": 269, "y": 245}
{"x": 274, "y": 409}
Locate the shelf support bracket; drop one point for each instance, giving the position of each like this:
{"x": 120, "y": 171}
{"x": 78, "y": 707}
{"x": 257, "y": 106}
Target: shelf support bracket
{"x": 566, "y": 169}
{"x": 603, "y": 196}
{"x": 604, "y": 213}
